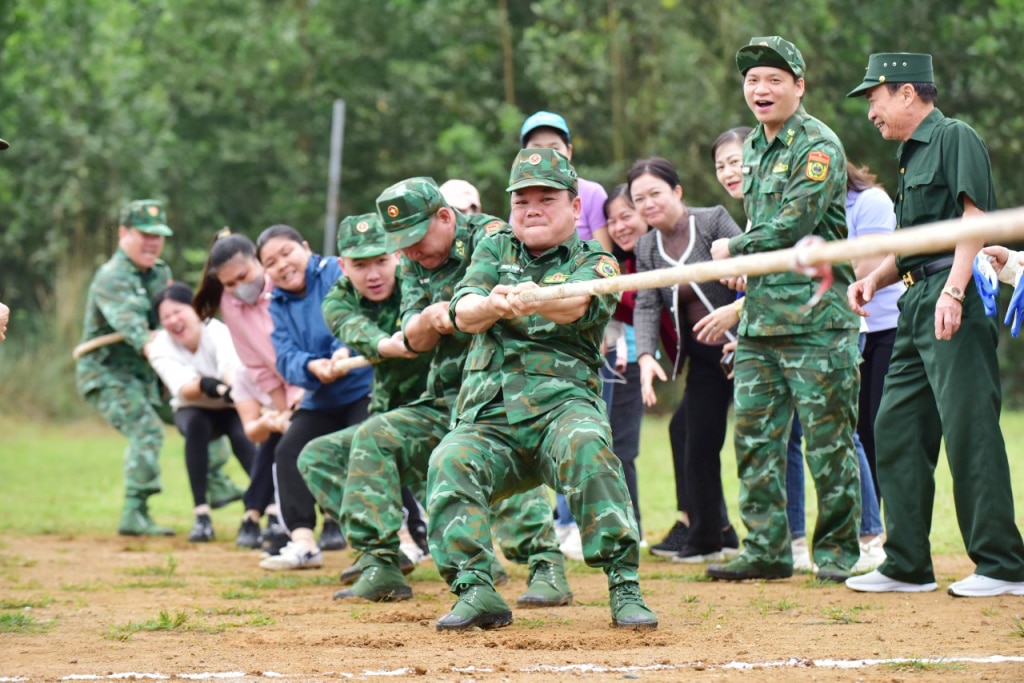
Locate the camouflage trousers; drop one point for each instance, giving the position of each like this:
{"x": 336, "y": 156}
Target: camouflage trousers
{"x": 391, "y": 450}
{"x": 818, "y": 373}
{"x": 323, "y": 464}
{"x": 568, "y": 449}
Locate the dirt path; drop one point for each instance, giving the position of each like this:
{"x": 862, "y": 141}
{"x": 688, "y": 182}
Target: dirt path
{"x": 88, "y": 597}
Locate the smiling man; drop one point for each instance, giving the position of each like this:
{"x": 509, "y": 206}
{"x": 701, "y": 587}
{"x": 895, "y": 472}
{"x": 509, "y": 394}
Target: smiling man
{"x": 794, "y": 185}
{"x": 529, "y": 410}
{"x": 116, "y": 379}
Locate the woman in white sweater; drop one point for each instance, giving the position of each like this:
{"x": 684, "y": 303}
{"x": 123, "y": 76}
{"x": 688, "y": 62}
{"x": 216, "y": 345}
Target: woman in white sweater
{"x": 197, "y": 362}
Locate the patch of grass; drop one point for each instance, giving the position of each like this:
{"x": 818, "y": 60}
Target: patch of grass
{"x": 20, "y": 622}
{"x": 234, "y": 594}
{"x": 278, "y": 581}
{"x": 1018, "y": 627}
{"x": 785, "y": 605}
{"x": 989, "y": 612}
{"x": 15, "y": 562}
{"x": 708, "y": 610}
{"x": 228, "y": 611}
{"x": 166, "y": 570}
{"x": 918, "y": 665}
{"x": 166, "y": 621}
{"x": 840, "y": 615}
{"x": 7, "y": 603}
{"x": 79, "y": 587}
{"x": 160, "y": 583}
{"x": 260, "y": 620}
{"x": 688, "y": 598}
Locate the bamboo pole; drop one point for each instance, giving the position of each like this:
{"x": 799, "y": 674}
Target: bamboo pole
{"x": 346, "y": 364}
{"x": 96, "y": 343}
{"x": 994, "y": 227}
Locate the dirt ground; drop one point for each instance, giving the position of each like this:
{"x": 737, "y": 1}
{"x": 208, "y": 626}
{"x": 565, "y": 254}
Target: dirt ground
{"x": 89, "y": 608}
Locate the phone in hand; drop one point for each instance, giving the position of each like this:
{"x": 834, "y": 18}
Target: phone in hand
{"x": 727, "y": 362}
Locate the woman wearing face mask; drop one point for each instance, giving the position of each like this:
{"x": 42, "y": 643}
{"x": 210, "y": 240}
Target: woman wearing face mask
{"x": 684, "y": 234}
{"x": 306, "y": 351}
{"x": 197, "y": 363}
{"x": 234, "y": 283}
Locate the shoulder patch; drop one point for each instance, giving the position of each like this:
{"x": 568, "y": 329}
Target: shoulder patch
{"x": 607, "y": 267}
{"x": 555, "y": 279}
{"x": 493, "y": 226}
{"x": 817, "y": 165}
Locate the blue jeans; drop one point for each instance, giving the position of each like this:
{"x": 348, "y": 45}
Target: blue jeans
{"x": 871, "y": 516}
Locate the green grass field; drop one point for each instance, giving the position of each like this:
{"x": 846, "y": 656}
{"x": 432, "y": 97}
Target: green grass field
{"x": 66, "y": 479}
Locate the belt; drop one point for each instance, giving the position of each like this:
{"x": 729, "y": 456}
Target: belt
{"x": 914, "y": 276}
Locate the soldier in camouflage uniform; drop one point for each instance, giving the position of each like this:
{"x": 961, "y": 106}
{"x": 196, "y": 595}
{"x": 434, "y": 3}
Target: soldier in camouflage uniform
{"x": 794, "y": 186}
{"x": 392, "y": 449}
{"x": 530, "y": 411}
{"x": 361, "y": 310}
{"x": 116, "y": 379}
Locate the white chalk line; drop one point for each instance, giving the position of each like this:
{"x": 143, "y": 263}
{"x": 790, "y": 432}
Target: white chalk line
{"x": 792, "y": 662}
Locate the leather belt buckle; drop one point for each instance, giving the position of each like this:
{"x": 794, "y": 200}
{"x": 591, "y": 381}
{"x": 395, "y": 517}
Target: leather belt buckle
{"x": 908, "y": 279}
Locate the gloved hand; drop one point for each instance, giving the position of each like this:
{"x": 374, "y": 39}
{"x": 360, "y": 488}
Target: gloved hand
{"x": 214, "y": 388}
{"x": 987, "y": 282}
{"x": 1015, "y": 313}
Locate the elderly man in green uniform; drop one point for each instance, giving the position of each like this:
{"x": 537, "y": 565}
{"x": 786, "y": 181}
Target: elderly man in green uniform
{"x": 391, "y": 449}
{"x": 362, "y": 310}
{"x": 794, "y": 171}
{"x": 943, "y": 380}
{"x": 529, "y": 411}
{"x": 116, "y": 379}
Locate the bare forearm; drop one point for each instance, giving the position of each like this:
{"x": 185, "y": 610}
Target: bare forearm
{"x": 565, "y": 311}
{"x": 475, "y": 313}
{"x": 420, "y": 335}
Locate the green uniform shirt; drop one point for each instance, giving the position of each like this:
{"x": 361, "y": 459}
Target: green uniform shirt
{"x": 531, "y": 363}
{"x": 943, "y": 160}
{"x": 360, "y": 324}
{"x": 120, "y": 300}
{"x": 793, "y": 186}
{"x": 422, "y": 287}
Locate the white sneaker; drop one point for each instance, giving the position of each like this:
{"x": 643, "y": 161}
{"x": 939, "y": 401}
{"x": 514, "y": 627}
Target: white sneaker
{"x": 801, "y": 556}
{"x": 562, "y": 531}
{"x": 978, "y": 586}
{"x": 294, "y": 556}
{"x": 571, "y": 544}
{"x": 871, "y": 556}
{"x": 877, "y": 582}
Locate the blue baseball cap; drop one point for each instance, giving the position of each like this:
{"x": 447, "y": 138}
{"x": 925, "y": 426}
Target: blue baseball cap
{"x": 543, "y": 119}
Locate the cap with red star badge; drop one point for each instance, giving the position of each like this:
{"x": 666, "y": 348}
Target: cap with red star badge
{"x": 405, "y": 210}
{"x": 145, "y": 215}
{"x": 361, "y": 236}
{"x": 542, "y": 168}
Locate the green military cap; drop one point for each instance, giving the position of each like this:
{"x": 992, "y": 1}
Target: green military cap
{"x": 146, "y": 215}
{"x": 361, "y": 236}
{"x": 770, "y": 51}
{"x": 543, "y": 168}
{"x": 405, "y": 210}
{"x": 895, "y": 67}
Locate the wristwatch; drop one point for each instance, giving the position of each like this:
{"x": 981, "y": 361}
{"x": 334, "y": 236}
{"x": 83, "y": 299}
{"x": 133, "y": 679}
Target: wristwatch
{"x": 954, "y": 293}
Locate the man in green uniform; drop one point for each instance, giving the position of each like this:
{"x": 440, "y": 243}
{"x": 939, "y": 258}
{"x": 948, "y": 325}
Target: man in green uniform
{"x": 391, "y": 450}
{"x": 943, "y": 380}
{"x": 529, "y": 411}
{"x": 117, "y": 379}
{"x": 794, "y": 170}
{"x": 362, "y": 310}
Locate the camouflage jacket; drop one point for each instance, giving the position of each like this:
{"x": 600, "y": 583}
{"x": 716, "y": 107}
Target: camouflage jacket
{"x": 120, "y": 300}
{"x": 360, "y": 324}
{"x": 530, "y": 363}
{"x": 793, "y": 186}
{"x": 422, "y": 287}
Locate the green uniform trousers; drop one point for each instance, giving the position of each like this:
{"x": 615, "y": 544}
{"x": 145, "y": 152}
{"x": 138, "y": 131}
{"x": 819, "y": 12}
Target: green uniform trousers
{"x": 126, "y": 407}
{"x": 944, "y": 389}
{"x": 568, "y": 448}
{"x": 323, "y": 464}
{"x": 817, "y": 373}
{"x": 391, "y": 450}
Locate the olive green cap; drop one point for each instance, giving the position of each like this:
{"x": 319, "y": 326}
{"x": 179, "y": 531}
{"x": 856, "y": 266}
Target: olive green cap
{"x": 542, "y": 168}
{"x": 895, "y": 67}
{"x": 145, "y": 215}
{"x": 361, "y": 236}
{"x": 770, "y": 51}
{"x": 405, "y": 210}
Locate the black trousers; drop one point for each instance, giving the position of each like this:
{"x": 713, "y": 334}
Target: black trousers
{"x": 873, "y": 369}
{"x": 625, "y": 414}
{"x": 298, "y": 508}
{"x": 697, "y": 434}
{"x": 261, "y": 490}
{"x": 200, "y": 426}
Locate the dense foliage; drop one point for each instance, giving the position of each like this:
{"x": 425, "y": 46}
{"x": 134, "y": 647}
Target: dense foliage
{"x": 223, "y": 108}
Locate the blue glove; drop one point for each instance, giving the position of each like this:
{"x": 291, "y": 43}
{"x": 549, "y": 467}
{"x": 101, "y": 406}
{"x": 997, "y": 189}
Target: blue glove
{"x": 987, "y": 282}
{"x": 1015, "y": 313}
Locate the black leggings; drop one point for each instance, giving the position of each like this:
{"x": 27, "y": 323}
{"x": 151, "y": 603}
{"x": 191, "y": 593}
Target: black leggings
{"x": 200, "y": 426}
{"x": 261, "y": 490}
{"x": 298, "y": 508}
{"x": 875, "y": 366}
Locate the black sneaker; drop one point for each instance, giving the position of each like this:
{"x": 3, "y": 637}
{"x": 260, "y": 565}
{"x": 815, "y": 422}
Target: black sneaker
{"x": 274, "y": 537}
{"x": 202, "y": 530}
{"x": 330, "y": 536}
{"x": 673, "y": 542}
{"x": 248, "y": 534}
{"x": 418, "y": 531}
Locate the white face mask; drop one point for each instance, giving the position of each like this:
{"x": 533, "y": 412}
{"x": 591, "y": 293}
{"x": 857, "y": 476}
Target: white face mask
{"x": 249, "y": 292}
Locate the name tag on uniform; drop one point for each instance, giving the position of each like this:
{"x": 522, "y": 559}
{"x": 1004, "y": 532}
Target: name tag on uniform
{"x": 780, "y": 168}
{"x": 510, "y": 268}
{"x": 424, "y": 280}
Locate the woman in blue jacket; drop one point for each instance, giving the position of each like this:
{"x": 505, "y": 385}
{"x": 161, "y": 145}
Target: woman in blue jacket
{"x": 306, "y": 350}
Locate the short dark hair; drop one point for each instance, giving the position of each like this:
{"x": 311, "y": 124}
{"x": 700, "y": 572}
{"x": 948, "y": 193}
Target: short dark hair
{"x": 928, "y": 92}
{"x": 738, "y": 134}
{"x": 561, "y": 133}
{"x": 226, "y": 245}
{"x": 176, "y": 291}
{"x": 656, "y": 166}
{"x": 279, "y": 230}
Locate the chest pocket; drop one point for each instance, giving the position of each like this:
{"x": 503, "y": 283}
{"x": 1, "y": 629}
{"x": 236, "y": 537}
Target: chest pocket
{"x": 920, "y": 192}
{"x": 774, "y": 184}
{"x": 480, "y": 358}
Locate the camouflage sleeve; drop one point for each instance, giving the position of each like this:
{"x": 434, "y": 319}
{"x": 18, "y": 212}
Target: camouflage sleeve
{"x": 415, "y": 293}
{"x": 349, "y": 323}
{"x": 481, "y": 275}
{"x": 597, "y": 265}
{"x": 817, "y": 168}
{"x": 125, "y": 309}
